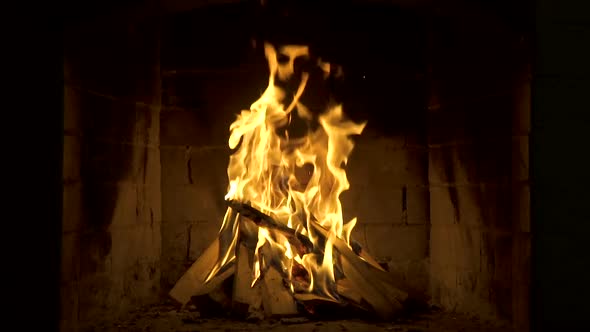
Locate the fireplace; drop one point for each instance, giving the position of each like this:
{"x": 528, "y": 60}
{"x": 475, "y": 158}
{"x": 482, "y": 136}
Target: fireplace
{"x": 438, "y": 177}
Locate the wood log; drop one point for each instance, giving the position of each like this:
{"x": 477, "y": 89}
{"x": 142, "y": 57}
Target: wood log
{"x": 384, "y": 292}
{"x": 277, "y": 300}
{"x": 264, "y": 220}
{"x": 299, "y": 241}
{"x": 192, "y": 283}
{"x": 362, "y": 252}
{"x": 367, "y": 280}
{"x": 345, "y": 288}
{"x": 303, "y": 297}
{"x": 247, "y": 300}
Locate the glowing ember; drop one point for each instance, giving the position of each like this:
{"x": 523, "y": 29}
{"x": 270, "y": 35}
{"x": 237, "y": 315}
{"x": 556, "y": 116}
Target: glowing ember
{"x": 265, "y": 172}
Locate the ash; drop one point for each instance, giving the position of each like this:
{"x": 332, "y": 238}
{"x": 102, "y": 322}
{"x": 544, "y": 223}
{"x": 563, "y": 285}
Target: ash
{"x": 166, "y": 317}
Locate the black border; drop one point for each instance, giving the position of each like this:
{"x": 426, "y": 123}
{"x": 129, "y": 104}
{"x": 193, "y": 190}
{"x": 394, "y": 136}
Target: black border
{"x": 559, "y": 166}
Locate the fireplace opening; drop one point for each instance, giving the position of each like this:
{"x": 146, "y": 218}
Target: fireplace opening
{"x": 260, "y": 165}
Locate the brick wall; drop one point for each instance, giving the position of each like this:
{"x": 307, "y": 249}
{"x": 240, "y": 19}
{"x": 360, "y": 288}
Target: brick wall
{"x": 112, "y": 202}
{"x": 478, "y": 171}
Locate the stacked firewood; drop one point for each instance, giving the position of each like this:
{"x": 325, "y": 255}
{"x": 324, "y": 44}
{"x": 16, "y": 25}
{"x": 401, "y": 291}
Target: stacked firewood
{"x": 360, "y": 283}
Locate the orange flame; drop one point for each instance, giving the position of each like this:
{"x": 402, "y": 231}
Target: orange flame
{"x": 262, "y": 172}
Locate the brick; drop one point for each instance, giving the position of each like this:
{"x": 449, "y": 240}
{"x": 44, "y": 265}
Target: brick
{"x": 147, "y": 126}
{"x": 521, "y": 207}
{"x": 175, "y": 241}
{"x": 201, "y": 236}
{"x": 373, "y": 204}
{"x": 72, "y": 207}
{"x": 109, "y": 162}
{"x": 490, "y": 116}
{"x": 175, "y": 169}
{"x": 414, "y": 272}
{"x": 208, "y": 168}
{"x": 446, "y": 166}
{"x": 71, "y": 158}
{"x": 442, "y": 211}
{"x": 521, "y": 120}
{"x": 456, "y": 246}
{"x": 108, "y": 119}
{"x": 72, "y": 120}
{"x": 475, "y": 162}
{"x": 418, "y": 205}
{"x": 521, "y": 258}
{"x": 520, "y": 158}
{"x": 93, "y": 299}
{"x": 446, "y": 126}
{"x": 172, "y": 270}
{"x": 95, "y": 250}
{"x": 479, "y": 205}
{"x": 69, "y": 306}
{"x": 141, "y": 243}
{"x": 403, "y": 166}
{"x": 70, "y": 258}
{"x": 192, "y": 203}
{"x": 149, "y": 204}
{"x": 146, "y": 166}
{"x": 126, "y": 210}
{"x": 387, "y": 242}
{"x": 496, "y": 204}
{"x": 183, "y": 128}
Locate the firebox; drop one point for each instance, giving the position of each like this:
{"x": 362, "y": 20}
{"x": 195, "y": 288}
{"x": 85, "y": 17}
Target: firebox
{"x": 271, "y": 165}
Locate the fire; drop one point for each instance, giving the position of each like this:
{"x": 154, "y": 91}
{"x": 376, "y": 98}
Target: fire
{"x": 267, "y": 171}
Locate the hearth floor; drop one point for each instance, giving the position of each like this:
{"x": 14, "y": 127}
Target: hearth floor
{"x": 167, "y": 318}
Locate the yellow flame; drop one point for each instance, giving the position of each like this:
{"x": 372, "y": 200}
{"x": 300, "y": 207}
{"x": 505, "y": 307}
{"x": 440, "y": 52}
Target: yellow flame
{"x": 264, "y": 171}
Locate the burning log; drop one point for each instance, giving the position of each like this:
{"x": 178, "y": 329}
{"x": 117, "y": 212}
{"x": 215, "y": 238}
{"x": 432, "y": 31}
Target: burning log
{"x": 369, "y": 280}
{"x": 276, "y": 298}
{"x": 302, "y": 243}
{"x": 386, "y": 299}
{"x": 346, "y": 288}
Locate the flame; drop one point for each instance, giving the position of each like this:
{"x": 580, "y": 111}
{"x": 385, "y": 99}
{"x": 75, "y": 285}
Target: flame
{"x": 295, "y": 180}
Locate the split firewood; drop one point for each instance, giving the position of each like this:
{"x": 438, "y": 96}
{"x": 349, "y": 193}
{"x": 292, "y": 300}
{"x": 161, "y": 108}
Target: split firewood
{"x": 192, "y": 283}
{"x": 362, "y": 253}
{"x": 345, "y": 288}
{"x": 385, "y": 299}
{"x": 247, "y": 299}
{"x": 370, "y": 291}
{"x": 299, "y": 241}
{"x": 303, "y": 297}
{"x": 277, "y": 300}
{"x": 294, "y": 238}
